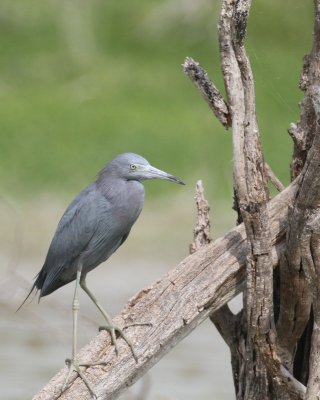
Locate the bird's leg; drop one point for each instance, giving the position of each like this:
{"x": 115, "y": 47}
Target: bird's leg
{"x": 111, "y": 327}
{"x": 72, "y": 363}
{"x": 75, "y": 310}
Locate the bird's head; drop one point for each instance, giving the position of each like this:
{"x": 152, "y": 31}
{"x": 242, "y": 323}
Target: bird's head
{"x": 130, "y": 166}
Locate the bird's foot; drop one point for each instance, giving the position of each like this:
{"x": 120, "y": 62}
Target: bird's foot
{"x": 74, "y": 365}
{"x": 115, "y": 331}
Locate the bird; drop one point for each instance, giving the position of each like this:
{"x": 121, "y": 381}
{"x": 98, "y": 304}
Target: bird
{"x": 96, "y": 223}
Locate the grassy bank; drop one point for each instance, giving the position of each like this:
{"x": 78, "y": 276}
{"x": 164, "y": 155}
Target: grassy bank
{"x": 82, "y": 81}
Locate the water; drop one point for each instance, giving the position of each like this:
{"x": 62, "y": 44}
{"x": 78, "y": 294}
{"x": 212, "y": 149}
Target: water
{"x": 36, "y": 340}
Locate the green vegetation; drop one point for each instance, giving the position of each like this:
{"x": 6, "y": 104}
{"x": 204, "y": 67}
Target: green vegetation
{"x": 83, "y": 81}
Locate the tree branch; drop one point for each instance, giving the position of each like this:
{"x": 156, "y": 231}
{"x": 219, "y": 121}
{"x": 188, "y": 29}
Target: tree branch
{"x": 218, "y": 105}
{"x": 273, "y": 178}
{"x": 210, "y": 93}
{"x": 223, "y": 319}
{"x": 201, "y": 232}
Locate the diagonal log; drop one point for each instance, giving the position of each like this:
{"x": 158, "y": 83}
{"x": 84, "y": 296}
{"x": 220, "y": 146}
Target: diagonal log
{"x": 175, "y": 305}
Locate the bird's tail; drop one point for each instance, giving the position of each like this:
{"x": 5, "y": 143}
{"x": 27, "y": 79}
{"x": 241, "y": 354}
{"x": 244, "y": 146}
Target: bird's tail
{"x": 35, "y": 287}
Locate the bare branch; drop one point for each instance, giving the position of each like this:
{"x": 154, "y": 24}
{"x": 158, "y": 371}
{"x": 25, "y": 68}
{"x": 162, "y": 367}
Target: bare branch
{"x": 201, "y": 232}
{"x": 273, "y": 178}
{"x": 223, "y": 319}
{"x": 210, "y": 93}
{"x": 218, "y": 105}
{"x": 294, "y": 384}
{"x": 226, "y": 323}
{"x": 176, "y": 304}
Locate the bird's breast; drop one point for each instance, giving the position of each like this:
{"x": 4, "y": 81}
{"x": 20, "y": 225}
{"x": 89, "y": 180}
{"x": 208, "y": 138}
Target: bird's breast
{"x": 128, "y": 203}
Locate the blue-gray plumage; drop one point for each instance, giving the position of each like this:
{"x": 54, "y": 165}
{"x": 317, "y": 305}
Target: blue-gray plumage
{"x": 92, "y": 228}
{"x": 98, "y": 221}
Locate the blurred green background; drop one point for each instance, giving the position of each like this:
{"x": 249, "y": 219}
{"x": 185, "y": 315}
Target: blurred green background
{"x": 84, "y": 80}
{"x": 81, "y": 81}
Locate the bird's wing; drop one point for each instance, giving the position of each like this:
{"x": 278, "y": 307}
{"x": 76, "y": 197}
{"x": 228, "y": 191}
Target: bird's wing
{"x": 74, "y": 232}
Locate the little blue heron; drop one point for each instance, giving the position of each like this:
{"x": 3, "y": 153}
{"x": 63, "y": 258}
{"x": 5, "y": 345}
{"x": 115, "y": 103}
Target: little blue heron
{"x": 95, "y": 224}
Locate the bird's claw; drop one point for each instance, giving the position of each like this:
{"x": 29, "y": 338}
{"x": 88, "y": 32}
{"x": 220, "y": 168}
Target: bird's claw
{"x": 75, "y": 366}
{"x": 114, "y": 329}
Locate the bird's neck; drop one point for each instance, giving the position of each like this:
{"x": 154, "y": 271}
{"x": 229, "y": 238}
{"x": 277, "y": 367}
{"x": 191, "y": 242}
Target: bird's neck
{"x": 115, "y": 189}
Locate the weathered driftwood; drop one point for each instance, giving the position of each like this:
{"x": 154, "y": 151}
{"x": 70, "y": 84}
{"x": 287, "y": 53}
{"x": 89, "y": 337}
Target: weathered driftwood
{"x": 175, "y": 305}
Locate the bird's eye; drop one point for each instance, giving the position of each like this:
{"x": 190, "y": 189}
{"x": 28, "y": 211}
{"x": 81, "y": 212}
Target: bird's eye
{"x": 133, "y": 167}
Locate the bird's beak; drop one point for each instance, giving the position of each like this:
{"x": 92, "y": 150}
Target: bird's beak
{"x": 151, "y": 172}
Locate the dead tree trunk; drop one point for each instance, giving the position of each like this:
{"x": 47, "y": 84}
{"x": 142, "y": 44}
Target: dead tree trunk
{"x": 273, "y": 256}
{"x": 251, "y": 191}
{"x": 259, "y": 342}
